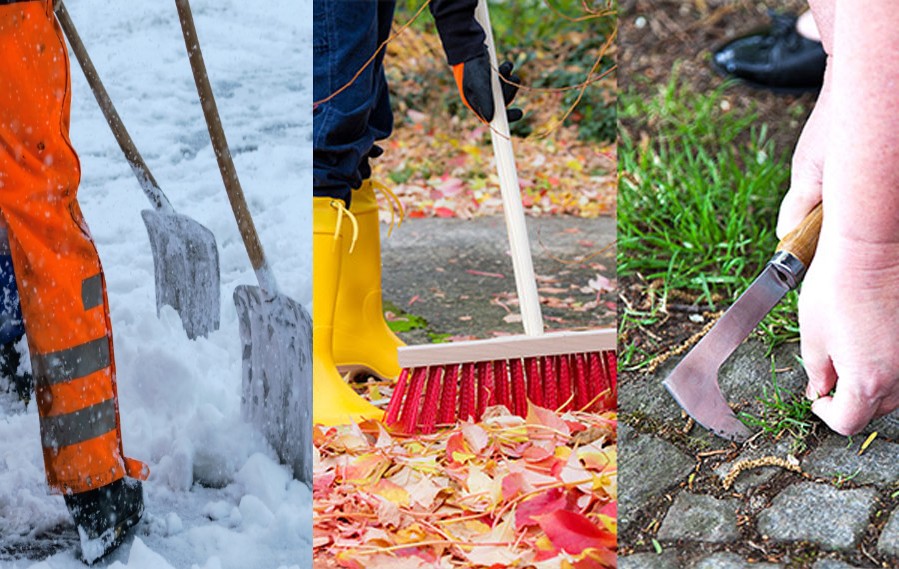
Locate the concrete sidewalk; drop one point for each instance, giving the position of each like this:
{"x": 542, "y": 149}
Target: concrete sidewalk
{"x": 456, "y": 273}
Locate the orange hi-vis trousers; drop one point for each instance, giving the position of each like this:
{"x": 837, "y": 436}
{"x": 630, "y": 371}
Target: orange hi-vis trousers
{"x": 61, "y": 283}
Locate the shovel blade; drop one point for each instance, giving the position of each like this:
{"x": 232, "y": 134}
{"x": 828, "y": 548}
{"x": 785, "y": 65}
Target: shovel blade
{"x": 276, "y": 334}
{"x": 186, "y": 264}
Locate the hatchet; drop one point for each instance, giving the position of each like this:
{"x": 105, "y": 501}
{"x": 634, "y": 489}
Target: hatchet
{"x": 694, "y": 381}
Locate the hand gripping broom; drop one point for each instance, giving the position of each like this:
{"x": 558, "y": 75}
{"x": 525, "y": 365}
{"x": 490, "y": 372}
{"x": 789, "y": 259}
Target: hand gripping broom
{"x": 441, "y": 383}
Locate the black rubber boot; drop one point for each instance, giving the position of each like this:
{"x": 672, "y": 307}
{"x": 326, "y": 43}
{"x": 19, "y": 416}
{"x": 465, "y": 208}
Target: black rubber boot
{"x": 104, "y": 516}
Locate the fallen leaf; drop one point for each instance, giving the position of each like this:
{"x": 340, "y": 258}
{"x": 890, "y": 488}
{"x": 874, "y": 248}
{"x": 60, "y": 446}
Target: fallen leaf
{"x": 573, "y": 532}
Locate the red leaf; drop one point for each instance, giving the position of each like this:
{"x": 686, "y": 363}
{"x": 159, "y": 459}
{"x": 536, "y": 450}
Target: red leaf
{"x": 514, "y": 484}
{"x": 530, "y": 511}
{"x": 457, "y": 451}
{"x": 573, "y": 532}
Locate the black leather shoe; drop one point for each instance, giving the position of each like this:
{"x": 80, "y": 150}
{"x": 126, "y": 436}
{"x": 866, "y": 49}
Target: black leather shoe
{"x": 778, "y": 58}
{"x": 105, "y": 515}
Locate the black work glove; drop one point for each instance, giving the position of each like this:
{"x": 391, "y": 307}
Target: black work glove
{"x": 473, "y": 79}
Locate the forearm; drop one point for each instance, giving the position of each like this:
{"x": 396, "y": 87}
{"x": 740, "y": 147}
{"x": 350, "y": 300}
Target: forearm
{"x": 462, "y": 37}
{"x": 861, "y": 171}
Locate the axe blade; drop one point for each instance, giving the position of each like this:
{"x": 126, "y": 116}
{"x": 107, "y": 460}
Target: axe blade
{"x": 694, "y": 381}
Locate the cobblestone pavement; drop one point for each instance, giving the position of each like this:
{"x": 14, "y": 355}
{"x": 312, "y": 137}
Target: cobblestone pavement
{"x": 840, "y": 512}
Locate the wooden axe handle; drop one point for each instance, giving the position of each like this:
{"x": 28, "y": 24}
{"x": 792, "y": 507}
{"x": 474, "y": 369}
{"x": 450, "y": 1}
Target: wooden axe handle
{"x": 803, "y": 240}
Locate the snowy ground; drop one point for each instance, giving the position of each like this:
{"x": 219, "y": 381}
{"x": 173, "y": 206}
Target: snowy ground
{"x": 215, "y": 498}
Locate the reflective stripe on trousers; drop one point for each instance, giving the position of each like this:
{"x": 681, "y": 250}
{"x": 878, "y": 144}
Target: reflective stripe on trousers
{"x": 58, "y": 271}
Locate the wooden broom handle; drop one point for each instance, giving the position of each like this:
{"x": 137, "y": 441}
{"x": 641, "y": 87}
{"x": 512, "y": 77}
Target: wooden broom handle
{"x": 222, "y": 152}
{"x": 135, "y": 160}
{"x": 525, "y": 280}
{"x": 803, "y": 240}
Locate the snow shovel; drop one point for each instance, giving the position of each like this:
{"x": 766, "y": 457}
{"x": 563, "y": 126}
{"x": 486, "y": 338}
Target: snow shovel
{"x": 185, "y": 256}
{"x": 275, "y": 330}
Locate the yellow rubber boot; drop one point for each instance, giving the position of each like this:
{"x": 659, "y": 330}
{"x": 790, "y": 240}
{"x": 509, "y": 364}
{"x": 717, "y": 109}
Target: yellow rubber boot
{"x": 362, "y": 339}
{"x": 333, "y": 401}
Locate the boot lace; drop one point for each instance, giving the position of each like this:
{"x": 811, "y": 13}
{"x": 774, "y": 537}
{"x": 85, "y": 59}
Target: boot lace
{"x": 394, "y": 203}
{"x": 341, "y": 212}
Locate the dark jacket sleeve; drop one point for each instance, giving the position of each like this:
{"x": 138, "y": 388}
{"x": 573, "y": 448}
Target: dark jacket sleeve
{"x": 461, "y": 35}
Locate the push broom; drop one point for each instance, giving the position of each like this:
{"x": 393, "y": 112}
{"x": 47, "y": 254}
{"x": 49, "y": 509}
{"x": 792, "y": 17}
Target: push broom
{"x": 443, "y": 383}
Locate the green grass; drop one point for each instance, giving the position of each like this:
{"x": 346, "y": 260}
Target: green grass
{"x": 841, "y": 478}
{"x": 523, "y": 23}
{"x": 783, "y": 413}
{"x": 403, "y": 321}
{"x": 698, "y": 197}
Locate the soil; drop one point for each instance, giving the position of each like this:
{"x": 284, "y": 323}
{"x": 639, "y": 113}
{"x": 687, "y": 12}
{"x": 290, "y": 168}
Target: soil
{"x": 657, "y": 37}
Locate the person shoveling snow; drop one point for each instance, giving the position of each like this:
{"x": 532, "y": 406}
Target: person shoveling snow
{"x": 61, "y": 284}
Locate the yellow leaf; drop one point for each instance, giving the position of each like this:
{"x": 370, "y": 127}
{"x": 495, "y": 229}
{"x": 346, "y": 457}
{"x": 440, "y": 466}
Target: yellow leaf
{"x": 599, "y": 460}
{"x": 462, "y": 457}
{"x": 563, "y": 452}
{"x": 471, "y": 150}
{"x": 411, "y": 534}
{"x": 364, "y": 468}
{"x": 867, "y": 442}
{"x": 424, "y": 464}
{"x": 389, "y": 491}
{"x": 544, "y": 544}
{"x": 609, "y": 522}
{"x": 415, "y": 447}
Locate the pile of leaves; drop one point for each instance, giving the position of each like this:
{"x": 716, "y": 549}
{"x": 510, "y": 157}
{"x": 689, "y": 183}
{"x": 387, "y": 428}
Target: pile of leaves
{"x": 508, "y": 491}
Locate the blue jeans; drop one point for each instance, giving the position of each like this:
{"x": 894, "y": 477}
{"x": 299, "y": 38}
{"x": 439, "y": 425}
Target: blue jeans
{"x": 346, "y": 127}
{"x": 11, "y": 326}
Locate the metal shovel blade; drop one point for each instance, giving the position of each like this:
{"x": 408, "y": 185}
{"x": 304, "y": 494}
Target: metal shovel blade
{"x": 186, "y": 264}
{"x": 694, "y": 381}
{"x": 276, "y": 334}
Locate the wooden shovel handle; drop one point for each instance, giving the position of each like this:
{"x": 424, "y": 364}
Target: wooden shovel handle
{"x": 803, "y": 240}
{"x": 135, "y": 160}
{"x": 219, "y": 142}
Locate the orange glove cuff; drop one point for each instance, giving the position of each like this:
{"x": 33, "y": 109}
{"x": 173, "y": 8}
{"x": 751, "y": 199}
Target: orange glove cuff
{"x": 459, "y": 74}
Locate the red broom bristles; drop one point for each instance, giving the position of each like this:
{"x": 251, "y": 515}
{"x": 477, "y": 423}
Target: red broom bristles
{"x": 519, "y": 391}
{"x": 448, "y": 403}
{"x": 466, "y": 398}
{"x": 565, "y": 388}
{"x": 425, "y": 397}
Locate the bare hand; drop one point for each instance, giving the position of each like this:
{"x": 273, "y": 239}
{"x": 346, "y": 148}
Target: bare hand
{"x": 848, "y": 313}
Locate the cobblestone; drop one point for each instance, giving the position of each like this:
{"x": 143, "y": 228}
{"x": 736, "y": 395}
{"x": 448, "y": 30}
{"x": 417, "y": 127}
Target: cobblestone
{"x": 649, "y": 561}
{"x": 731, "y": 561}
{"x": 878, "y": 464}
{"x": 698, "y": 517}
{"x": 818, "y": 513}
{"x": 650, "y": 466}
{"x": 832, "y": 564}
{"x": 889, "y": 539}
